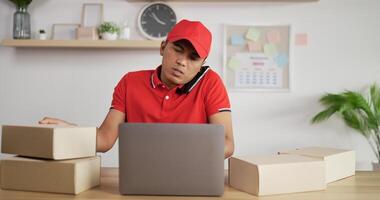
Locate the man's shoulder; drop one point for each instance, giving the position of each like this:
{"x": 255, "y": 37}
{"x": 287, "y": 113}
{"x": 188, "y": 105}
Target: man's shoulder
{"x": 211, "y": 76}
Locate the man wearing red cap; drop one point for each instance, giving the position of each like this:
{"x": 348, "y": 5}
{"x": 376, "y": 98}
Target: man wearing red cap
{"x": 180, "y": 90}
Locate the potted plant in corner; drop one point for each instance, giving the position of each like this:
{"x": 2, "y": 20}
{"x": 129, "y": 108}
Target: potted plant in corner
{"x": 109, "y": 30}
{"x": 21, "y": 19}
{"x": 360, "y": 112}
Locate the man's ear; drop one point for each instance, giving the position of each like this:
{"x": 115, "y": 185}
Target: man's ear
{"x": 162, "y": 47}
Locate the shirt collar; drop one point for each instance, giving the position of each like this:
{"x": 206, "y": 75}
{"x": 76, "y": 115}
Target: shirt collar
{"x": 180, "y": 89}
{"x": 154, "y": 78}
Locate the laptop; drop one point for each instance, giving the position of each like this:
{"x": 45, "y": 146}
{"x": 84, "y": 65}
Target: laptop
{"x": 171, "y": 159}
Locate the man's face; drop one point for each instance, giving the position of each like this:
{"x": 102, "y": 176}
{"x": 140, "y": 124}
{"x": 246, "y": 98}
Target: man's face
{"x": 180, "y": 62}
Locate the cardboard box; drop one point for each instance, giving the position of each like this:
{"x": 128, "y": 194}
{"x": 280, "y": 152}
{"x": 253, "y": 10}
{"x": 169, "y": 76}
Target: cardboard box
{"x": 67, "y": 176}
{"x": 277, "y": 174}
{"x": 339, "y": 163}
{"x": 50, "y": 142}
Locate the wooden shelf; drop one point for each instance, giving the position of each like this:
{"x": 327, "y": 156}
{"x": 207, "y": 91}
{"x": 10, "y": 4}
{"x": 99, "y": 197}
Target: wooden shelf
{"x": 122, "y": 44}
{"x": 230, "y": 1}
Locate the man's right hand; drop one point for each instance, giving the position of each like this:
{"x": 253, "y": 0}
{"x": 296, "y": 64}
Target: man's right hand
{"x": 50, "y": 120}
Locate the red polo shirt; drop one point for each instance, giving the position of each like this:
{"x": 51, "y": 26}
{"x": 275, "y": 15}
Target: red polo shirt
{"x": 144, "y": 98}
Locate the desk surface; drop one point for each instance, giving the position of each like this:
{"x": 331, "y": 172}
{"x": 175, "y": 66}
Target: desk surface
{"x": 362, "y": 186}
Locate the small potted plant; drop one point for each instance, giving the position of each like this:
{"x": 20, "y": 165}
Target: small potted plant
{"x": 360, "y": 112}
{"x": 109, "y": 30}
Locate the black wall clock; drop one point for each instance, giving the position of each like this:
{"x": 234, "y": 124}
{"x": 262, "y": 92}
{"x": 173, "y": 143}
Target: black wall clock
{"x": 156, "y": 20}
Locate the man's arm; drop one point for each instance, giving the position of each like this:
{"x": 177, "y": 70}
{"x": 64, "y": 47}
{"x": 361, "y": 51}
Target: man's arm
{"x": 108, "y": 132}
{"x": 224, "y": 118}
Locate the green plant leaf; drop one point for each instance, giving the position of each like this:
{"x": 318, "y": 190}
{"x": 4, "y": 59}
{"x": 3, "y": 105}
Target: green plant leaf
{"x": 375, "y": 99}
{"x": 21, "y": 3}
{"x": 324, "y": 115}
{"x": 358, "y": 111}
{"x": 332, "y": 99}
{"x": 356, "y": 121}
{"x": 358, "y": 102}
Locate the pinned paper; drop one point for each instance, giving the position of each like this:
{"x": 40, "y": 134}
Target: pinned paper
{"x": 301, "y": 39}
{"x": 253, "y": 34}
{"x": 270, "y": 49}
{"x": 233, "y": 63}
{"x": 281, "y": 59}
{"x": 237, "y": 40}
{"x": 273, "y": 37}
{"x": 254, "y": 46}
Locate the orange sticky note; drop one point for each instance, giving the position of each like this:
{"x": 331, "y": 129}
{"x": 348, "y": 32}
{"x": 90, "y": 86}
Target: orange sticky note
{"x": 273, "y": 37}
{"x": 301, "y": 39}
{"x": 254, "y": 46}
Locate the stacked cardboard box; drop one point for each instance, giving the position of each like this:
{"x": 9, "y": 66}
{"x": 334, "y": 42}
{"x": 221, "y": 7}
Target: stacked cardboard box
{"x": 299, "y": 170}
{"x": 50, "y": 159}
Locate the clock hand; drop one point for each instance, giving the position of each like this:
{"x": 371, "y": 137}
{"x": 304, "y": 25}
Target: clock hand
{"x": 158, "y": 20}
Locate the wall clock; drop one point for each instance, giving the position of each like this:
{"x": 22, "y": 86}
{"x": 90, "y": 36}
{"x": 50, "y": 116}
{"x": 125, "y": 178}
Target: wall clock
{"x": 155, "y": 20}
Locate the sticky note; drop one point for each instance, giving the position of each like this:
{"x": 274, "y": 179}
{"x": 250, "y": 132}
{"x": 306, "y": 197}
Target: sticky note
{"x": 233, "y": 63}
{"x": 301, "y": 39}
{"x": 281, "y": 59}
{"x": 273, "y": 37}
{"x": 253, "y": 34}
{"x": 237, "y": 40}
{"x": 254, "y": 46}
{"x": 270, "y": 49}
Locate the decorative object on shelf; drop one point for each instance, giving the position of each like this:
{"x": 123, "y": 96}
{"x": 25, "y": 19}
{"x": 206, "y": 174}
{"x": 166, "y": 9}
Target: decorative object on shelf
{"x": 359, "y": 112}
{"x": 42, "y": 34}
{"x": 156, "y": 20}
{"x": 109, "y": 30}
{"x": 21, "y": 20}
{"x": 256, "y": 57}
{"x": 64, "y": 31}
{"x": 92, "y": 14}
{"x": 87, "y": 33}
{"x": 125, "y": 33}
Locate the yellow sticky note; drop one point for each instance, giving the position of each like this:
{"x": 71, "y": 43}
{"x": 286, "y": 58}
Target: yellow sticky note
{"x": 253, "y": 34}
{"x": 270, "y": 49}
{"x": 233, "y": 63}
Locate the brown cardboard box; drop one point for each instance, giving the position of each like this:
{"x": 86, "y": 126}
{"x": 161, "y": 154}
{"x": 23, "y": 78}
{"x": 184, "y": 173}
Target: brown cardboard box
{"x": 339, "y": 163}
{"x": 276, "y": 174}
{"x": 87, "y": 33}
{"x": 51, "y": 142}
{"x": 67, "y": 176}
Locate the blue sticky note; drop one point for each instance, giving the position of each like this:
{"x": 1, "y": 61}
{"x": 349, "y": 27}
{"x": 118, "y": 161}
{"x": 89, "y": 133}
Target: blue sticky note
{"x": 237, "y": 40}
{"x": 281, "y": 60}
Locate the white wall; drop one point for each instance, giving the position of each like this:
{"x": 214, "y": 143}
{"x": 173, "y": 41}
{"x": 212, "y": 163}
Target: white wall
{"x": 77, "y": 84}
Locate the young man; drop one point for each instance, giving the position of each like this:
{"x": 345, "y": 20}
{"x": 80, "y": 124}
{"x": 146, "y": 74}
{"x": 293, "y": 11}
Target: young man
{"x": 180, "y": 90}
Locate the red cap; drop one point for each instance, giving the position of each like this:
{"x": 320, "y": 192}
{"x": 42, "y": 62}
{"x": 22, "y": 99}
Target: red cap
{"x": 195, "y": 32}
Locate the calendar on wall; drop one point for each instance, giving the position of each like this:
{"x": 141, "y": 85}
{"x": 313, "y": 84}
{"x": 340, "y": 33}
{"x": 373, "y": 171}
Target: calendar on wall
{"x": 256, "y": 57}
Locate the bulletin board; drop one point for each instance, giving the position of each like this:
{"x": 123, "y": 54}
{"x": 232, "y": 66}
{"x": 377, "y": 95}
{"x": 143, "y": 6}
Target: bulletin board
{"x": 257, "y": 57}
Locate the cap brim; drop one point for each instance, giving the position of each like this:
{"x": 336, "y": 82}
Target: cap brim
{"x": 197, "y": 46}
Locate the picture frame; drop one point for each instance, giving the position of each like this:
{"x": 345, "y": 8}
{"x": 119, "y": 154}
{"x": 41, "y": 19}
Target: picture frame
{"x": 257, "y": 57}
{"x": 92, "y": 14}
{"x": 64, "y": 31}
